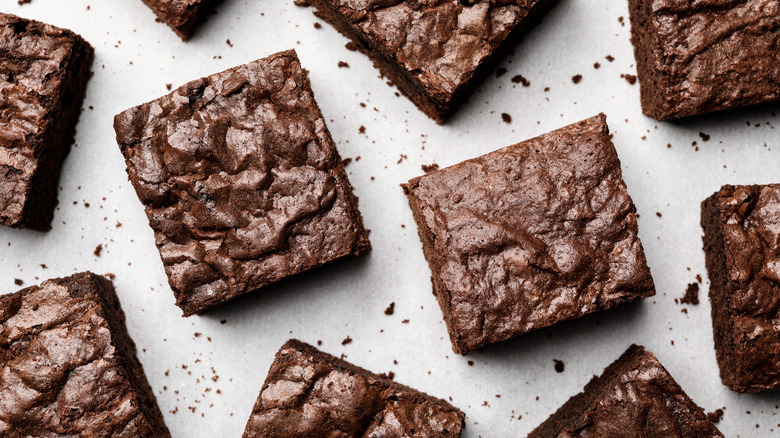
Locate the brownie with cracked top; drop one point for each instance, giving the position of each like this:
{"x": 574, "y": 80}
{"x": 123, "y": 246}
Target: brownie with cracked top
{"x": 635, "y": 397}
{"x": 180, "y": 15}
{"x": 742, "y": 247}
{"x": 242, "y": 183}
{"x": 696, "y": 57}
{"x": 530, "y": 235}
{"x": 435, "y": 51}
{"x": 68, "y": 367}
{"x": 313, "y": 394}
{"x": 43, "y": 77}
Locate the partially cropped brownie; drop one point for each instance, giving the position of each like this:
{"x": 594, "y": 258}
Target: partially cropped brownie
{"x": 530, "y": 235}
{"x": 68, "y": 367}
{"x": 43, "y": 77}
{"x": 180, "y": 15}
{"x": 742, "y": 246}
{"x": 312, "y": 394}
{"x": 242, "y": 183}
{"x": 635, "y": 397}
{"x": 435, "y": 52}
{"x": 698, "y": 57}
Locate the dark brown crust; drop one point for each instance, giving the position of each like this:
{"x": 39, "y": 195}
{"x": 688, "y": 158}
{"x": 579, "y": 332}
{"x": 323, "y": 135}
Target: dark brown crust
{"x": 652, "y": 404}
{"x": 182, "y": 16}
{"x": 98, "y": 380}
{"x": 437, "y": 106}
{"x": 51, "y": 144}
{"x": 355, "y": 401}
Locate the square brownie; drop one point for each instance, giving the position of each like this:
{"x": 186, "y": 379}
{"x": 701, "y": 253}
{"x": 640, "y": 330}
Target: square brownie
{"x": 242, "y": 183}
{"x": 43, "y": 77}
{"x": 180, "y": 15}
{"x": 699, "y": 57}
{"x": 742, "y": 246}
{"x": 437, "y": 51}
{"x": 309, "y": 393}
{"x": 635, "y": 397}
{"x": 530, "y": 235}
{"x": 69, "y": 367}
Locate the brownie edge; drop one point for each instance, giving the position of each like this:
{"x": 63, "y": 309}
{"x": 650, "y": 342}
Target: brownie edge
{"x": 313, "y": 394}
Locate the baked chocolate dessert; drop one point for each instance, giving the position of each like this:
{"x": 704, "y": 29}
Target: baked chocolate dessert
{"x": 530, "y": 235}
{"x": 43, "y": 77}
{"x": 312, "y": 394}
{"x": 69, "y": 367}
{"x": 242, "y": 183}
{"x": 180, "y": 15}
{"x": 741, "y": 235}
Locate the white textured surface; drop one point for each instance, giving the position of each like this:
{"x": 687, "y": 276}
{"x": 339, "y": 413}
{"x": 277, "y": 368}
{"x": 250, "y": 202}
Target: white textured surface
{"x": 136, "y": 57}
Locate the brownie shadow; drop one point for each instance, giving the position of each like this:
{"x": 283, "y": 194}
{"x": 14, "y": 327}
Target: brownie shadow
{"x": 580, "y": 331}
{"x": 291, "y": 290}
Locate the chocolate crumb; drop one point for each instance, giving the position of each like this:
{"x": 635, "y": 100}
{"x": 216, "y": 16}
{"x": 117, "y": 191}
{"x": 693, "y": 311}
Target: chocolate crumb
{"x": 346, "y": 341}
{"x": 428, "y": 168}
{"x": 471, "y": 363}
{"x": 596, "y": 65}
{"x": 609, "y": 58}
{"x": 519, "y": 79}
{"x": 343, "y": 64}
{"x": 301, "y": 3}
{"x": 224, "y": 321}
{"x": 576, "y": 79}
{"x": 390, "y": 309}
{"x": 631, "y": 79}
{"x": 559, "y": 365}
{"x": 406, "y": 321}
{"x": 401, "y": 159}
{"x": 23, "y": 2}
{"x": 658, "y": 213}
{"x": 698, "y": 278}
{"x": 317, "y": 25}
{"x": 704, "y": 137}
{"x": 506, "y": 118}
{"x": 715, "y": 416}
{"x": 98, "y": 250}
{"x": 362, "y": 129}
{"x": 229, "y": 43}
{"x": 345, "y": 162}
{"x": 351, "y": 46}
{"x": 169, "y": 86}
{"x": 691, "y": 294}
{"x": 18, "y": 281}
{"x": 500, "y": 72}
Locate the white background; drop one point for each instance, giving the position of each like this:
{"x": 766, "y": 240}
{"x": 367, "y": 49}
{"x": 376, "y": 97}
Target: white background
{"x": 136, "y": 57}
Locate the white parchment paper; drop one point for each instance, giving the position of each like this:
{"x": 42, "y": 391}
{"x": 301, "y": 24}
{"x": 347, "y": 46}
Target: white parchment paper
{"x": 206, "y": 371}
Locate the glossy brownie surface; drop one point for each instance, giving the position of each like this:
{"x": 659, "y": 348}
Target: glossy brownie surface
{"x": 530, "y": 235}
{"x": 742, "y": 246}
{"x": 635, "y": 397}
{"x": 43, "y": 72}
{"x": 68, "y": 367}
{"x": 697, "y": 57}
{"x": 310, "y": 393}
{"x": 241, "y": 181}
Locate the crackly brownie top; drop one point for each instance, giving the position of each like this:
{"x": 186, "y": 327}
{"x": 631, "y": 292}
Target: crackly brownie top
{"x": 750, "y": 224}
{"x": 640, "y": 399}
{"x": 241, "y": 180}
{"x": 60, "y": 374}
{"x": 532, "y": 234}
{"x": 440, "y": 42}
{"x": 312, "y": 394}
{"x": 33, "y": 59}
{"x": 179, "y": 14}
{"x": 717, "y": 54}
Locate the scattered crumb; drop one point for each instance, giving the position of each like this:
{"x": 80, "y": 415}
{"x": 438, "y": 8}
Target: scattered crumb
{"x": 23, "y": 2}
{"x": 43, "y": 266}
{"x": 576, "y": 79}
{"x": 351, "y": 46}
{"x": 18, "y": 281}
{"x": 362, "y": 129}
{"x": 609, "y": 58}
{"x": 345, "y": 162}
{"x": 390, "y": 309}
{"x": 402, "y": 158}
{"x": 596, "y": 65}
{"x": 704, "y": 137}
{"x": 658, "y": 213}
{"x": 224, "y": 321}
{"x": 229, "y": 43}
{"x": 169, "y": 86}
{"x": 506, "y": 118}
{"x": 317, "y": 25}
{"x": 343, "y": 64}
{"x": 500, "y": 72}
{"x": 559, "y": 365}
{"x": 98, "y": 250}
{"x": 428, "y": 168}
{"x": 406, "y": 321}
{"x": 346, "y": 341}
{"x": 715, "y": 416}
{"x": 519, "y": 79}
{"x": 301, "y": 3}
{"x": 471, "y": 363}
{"x": 698, "y": 278}
{"x": 631, "y": 79}
{"x": 691, "y": 295}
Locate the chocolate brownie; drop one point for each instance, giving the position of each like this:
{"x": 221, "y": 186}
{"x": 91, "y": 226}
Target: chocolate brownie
{"x": 68, "y": 365}
{"x": 741, "y": 234}
{"x": 313, "y": 394}
{"x": 635, "y": 397}
{"x": 242, "y": 183}
{"x": 697, "y": 57}
{"x": 43, "y": 77}
{"x": 530, "y": 235}
{"x": 436, "y": 51}
{"x": 180, "y": 15}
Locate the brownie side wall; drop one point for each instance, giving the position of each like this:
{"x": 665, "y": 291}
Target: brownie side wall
{"x": 126, "y": 349}
{"x": 652, "y": 83}
{"x": 443, "y": 296}
{"x": 722, "y": 320}
{"x": 183, "y": 26}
